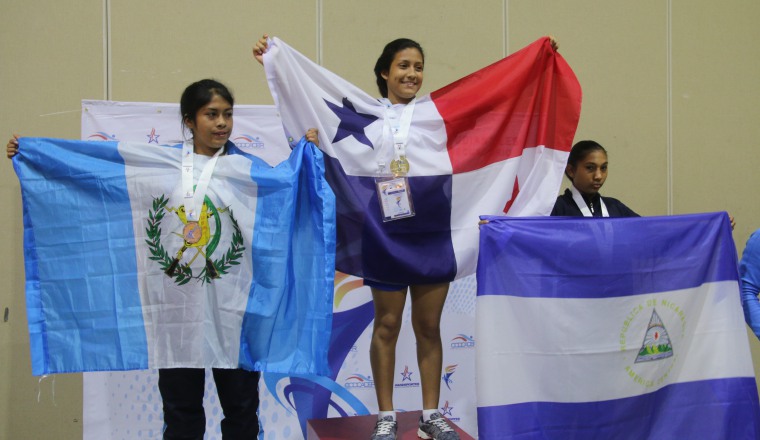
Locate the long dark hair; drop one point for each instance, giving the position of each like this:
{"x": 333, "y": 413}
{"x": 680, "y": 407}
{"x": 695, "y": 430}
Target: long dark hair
{"x": 385, "y": 60}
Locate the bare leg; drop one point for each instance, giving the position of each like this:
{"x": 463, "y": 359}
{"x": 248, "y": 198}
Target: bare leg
{"x": 389, "y": 307}
{"x": 427, "y": 307}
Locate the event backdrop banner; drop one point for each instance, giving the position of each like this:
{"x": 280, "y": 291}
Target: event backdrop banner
{"x": 127, "y": 405}
{"x": 612, "y": 328}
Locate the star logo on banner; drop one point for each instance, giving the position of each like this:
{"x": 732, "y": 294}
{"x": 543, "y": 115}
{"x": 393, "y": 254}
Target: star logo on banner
{"x": 406, "y": 374}
{"x": 446, "y": 410}
{"x": 153, "y": 137}
{"x": 352, "y": 123}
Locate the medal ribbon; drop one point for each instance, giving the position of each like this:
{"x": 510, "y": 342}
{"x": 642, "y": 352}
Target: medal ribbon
{"x": 578, "y": 199}
{"x": 399, "y": 128}
{"x": 194, "y": 198}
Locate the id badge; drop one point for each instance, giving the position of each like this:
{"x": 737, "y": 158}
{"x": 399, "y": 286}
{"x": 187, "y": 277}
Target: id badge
{"x": 395, "y": 198}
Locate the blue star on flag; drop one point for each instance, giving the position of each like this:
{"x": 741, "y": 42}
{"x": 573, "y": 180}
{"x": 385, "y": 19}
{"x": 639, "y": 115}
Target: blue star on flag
{"x": 352, "y": 123}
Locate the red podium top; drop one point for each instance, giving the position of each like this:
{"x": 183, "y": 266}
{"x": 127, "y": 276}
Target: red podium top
{"x": 359, "y": 427}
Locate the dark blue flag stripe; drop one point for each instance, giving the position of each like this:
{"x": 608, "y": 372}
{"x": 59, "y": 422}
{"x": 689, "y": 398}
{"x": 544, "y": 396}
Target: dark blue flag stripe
{"x": 416, "y": 250}
{"x": 551, "y": 257}
{"x": 709, "y": 409}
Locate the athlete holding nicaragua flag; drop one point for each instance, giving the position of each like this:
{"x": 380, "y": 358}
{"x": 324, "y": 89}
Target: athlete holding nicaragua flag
{"x": 412, "y": 174}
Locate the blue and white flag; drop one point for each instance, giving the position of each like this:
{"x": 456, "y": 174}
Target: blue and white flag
{"x": 612, "y": 329}
{"x": 103, "y": 224}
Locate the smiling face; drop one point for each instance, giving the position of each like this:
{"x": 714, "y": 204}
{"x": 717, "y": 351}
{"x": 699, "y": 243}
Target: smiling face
{"x": 589, "y": 174}
{"x": 211, "y": 126}
{"x": 404, "y": 78}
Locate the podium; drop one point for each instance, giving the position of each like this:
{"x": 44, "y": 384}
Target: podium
{"x": 360, "y": 427}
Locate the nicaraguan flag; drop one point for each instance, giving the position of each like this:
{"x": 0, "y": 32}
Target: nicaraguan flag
{"x": 104, "y": 220}
{"x": 612, "y": 329}
{"x": 493, "y": 142}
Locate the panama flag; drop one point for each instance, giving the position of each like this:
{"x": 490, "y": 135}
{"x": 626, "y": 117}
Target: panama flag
{"x": 493, "y": 142}
{"x": 612, "y": 329}
{"x": 118, "y": 278}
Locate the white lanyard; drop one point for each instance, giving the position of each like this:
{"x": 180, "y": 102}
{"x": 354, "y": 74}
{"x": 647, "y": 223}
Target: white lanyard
{"x": 194, "y": 199}
{"x": 399, "y": 127}
{"x": 578, "y": 199}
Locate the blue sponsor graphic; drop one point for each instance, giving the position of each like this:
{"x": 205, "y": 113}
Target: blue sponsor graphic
{"x": 448, "y": 372}
{"x": 310, "y": 397}
{"x": 406, "y": 379}
{"x": 248, "y": 141}
{"x": 406, "y": 374}
{"x": 359, "y": 381}
{"x": 462, "y": 341}
{"x": 101, "y": 136}
{"x": 448, "y": 411}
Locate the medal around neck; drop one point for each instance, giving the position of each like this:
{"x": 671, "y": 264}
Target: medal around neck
{"x": 393, "y": 190}
{"x": 195, "y": 232}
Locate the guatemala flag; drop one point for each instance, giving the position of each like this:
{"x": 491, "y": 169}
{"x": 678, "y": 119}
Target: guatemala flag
{"x": 612, "y": 329}
{"x": 103, "y": 221}
{"x": 493, "y": 142}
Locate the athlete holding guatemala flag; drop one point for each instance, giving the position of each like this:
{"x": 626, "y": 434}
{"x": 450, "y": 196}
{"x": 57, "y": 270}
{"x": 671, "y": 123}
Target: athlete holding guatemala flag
{"x": 199, "y": 311}
{"x": 412, "y": 174}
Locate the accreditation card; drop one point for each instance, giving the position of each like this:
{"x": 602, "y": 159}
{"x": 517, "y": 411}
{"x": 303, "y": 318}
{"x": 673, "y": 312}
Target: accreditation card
{"x": 395, "y": 198}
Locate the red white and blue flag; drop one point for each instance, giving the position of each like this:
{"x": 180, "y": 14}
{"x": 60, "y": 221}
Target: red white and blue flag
{"x": 494, "y": 142}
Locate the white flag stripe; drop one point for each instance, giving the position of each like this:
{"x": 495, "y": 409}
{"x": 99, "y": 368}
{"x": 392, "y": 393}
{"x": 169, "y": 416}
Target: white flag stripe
{"x": 469, "y": 202}
{"x": 702, "y": 323}
{"x": 429, "y": 132}
{"x": 540, "y": 168}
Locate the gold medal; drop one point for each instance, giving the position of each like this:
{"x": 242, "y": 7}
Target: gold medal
{"x": 400, "y": 166}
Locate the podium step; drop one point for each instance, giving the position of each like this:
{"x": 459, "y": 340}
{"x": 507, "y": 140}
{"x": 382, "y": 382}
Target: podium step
{"x": 360, "y": 427}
